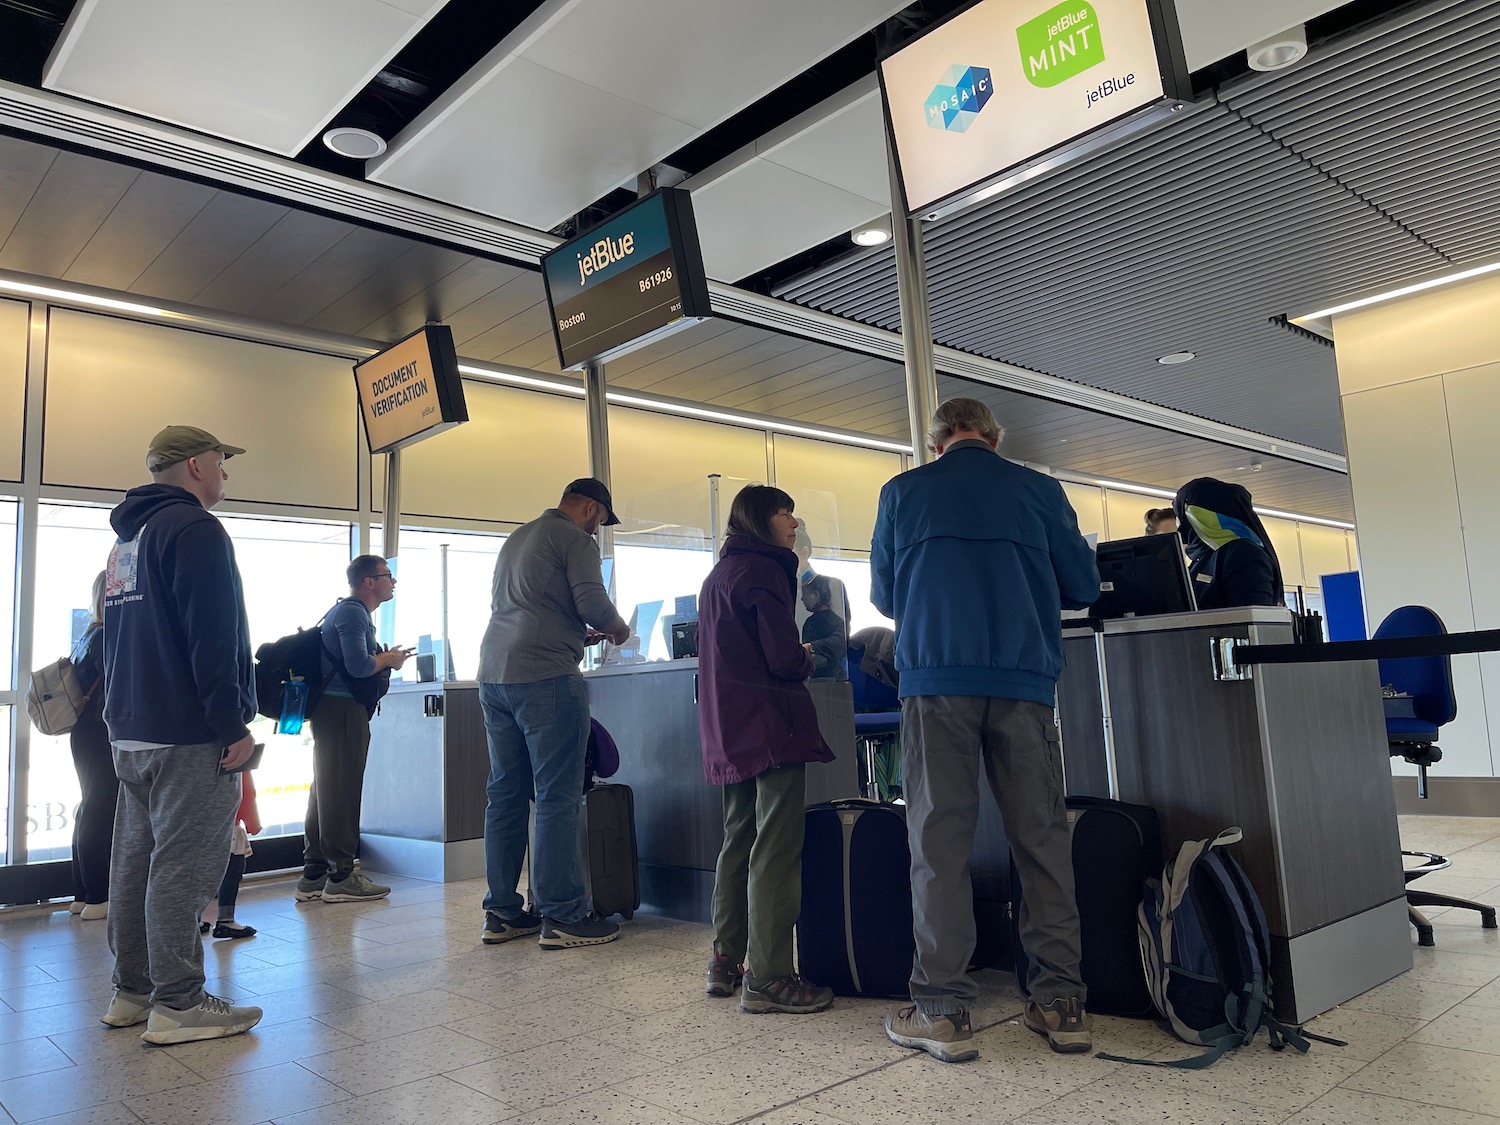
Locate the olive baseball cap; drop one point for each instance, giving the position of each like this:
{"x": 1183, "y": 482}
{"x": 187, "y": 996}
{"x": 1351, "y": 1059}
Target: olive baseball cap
{"x": 178, "y": 443}
{"x": 594, "y": 489}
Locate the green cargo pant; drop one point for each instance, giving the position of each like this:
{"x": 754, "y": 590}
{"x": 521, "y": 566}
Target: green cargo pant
{"x": 758, "y": 883}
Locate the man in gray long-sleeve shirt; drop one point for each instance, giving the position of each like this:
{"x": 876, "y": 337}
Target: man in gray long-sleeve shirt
{"x": 356, "y": 673}
{"x": 548, "y": 600}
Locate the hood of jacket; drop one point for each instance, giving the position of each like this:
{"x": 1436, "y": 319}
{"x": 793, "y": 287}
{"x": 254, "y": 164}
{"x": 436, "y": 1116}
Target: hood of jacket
{"x": 143, "y": 503}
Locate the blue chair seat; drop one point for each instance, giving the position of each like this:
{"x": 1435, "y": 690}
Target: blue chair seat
{"x": 879, "y": 722}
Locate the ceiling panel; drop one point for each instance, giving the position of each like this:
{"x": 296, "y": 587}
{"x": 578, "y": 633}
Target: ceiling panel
{"x": 820, "y": 175}
{"x": 267, "y": 74}
{"x": 151, "y": 214}
{"x": 578, "y": 101}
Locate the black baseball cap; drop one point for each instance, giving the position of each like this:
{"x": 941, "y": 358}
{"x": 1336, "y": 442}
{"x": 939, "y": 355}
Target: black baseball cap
{"x": 594, "y": 489}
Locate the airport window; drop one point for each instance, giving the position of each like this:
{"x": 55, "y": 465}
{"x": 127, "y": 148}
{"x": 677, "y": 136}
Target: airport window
{"x": 292, "y": 571}
{"x": 648, "y": 582}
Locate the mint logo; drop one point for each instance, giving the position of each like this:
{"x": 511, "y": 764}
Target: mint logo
{"x": 1060, "y": 43}
{"x": 958, "y": 97}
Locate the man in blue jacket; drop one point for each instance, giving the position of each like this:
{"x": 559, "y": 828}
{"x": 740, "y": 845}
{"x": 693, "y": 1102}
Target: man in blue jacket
{"x": 975, "y": 558}
{"x": 179, "y": 695}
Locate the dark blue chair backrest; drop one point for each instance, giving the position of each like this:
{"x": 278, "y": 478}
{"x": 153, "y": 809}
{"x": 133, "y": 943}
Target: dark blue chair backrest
{"x": 870, "y": 694}
{"x": 1427, "y": 679}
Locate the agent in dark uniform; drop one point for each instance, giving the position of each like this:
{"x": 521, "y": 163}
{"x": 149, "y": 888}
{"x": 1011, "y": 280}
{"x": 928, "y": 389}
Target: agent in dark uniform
{"x": 1232, "y": 561}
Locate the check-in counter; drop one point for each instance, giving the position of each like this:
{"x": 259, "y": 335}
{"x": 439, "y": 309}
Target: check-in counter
{"x": 423, "y": 804}
{"x": 424, "y": 794}
{"x": 1296, "y": 756}
{"x": 651, "y": 710}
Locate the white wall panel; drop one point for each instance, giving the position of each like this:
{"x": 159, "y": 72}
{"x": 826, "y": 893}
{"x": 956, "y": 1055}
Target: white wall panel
{"x": 1422, "y": 562}
{"x": 509, "y": 462}
{"x": 837, "y": 488}
{"x": 15, "y": 329}
{"x": 1445, "y": 329}
{"x": 112, "y": 384}
{"x": 1283, "y": 535}
{"x": 1473, "y": 400}
{"x": 1324, "y": 551}
{"x": 1127, "y": 512}
{"x": 1088, "y": 503}
{"x": 659, "y": 467}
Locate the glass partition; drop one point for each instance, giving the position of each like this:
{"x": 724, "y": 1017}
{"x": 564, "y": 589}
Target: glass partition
{"x": 417, "y": 608}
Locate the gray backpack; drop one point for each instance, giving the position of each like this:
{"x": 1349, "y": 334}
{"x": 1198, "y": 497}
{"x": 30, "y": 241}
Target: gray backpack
{"x": 56, "y": 698}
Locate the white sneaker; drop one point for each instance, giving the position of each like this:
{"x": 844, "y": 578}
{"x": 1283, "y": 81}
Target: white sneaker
{"x": 126, "y": 1009}
{"x": 94, "y": 911}
{"x": 211, "y": 1019}
{"x": 75, "y": 907}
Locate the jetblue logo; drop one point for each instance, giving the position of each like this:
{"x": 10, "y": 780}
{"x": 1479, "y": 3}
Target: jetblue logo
{"x": 957, "y": 99}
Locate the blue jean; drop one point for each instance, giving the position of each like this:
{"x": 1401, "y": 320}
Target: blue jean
{"x": 537, "y": 734}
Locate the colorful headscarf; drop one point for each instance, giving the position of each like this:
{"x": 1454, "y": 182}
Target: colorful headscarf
{"x": 1213, "y": 513}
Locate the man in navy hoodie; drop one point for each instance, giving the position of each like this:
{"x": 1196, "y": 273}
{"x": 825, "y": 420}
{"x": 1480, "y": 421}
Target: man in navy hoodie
{"x": 975, "y": 557}
{"x": 179, "y": 695}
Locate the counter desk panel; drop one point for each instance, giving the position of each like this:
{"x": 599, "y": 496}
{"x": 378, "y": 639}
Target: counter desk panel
{"x": 651, "y": 710}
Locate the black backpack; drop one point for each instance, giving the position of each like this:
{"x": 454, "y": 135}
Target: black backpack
{"x": 297, "y": 655}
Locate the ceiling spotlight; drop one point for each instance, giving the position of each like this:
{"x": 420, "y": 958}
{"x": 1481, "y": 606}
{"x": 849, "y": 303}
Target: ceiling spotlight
{"x": 1177, "y": 357}
{"x": 872, "y": 234}
{"x": 1279, "y": 51}
{"x": 357, "y": 144}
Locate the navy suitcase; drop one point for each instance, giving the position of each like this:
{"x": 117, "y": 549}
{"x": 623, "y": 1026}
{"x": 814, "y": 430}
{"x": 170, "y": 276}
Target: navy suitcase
{"x": 855, "y": 930}
{"x": 1116, "y": 848}
{"x": 606, "y": 832}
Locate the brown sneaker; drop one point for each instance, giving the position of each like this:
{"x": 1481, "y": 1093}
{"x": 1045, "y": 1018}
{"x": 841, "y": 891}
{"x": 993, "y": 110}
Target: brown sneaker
{"x": 792, "y": 994}
{"x": 1063, "y": 1022}
{"x": 724, "y": 975}
{"x": 945, "y": 1037}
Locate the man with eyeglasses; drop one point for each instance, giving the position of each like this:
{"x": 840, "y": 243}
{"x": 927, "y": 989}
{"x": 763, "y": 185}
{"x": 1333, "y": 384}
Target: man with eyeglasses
{"x": 356, "y": 674}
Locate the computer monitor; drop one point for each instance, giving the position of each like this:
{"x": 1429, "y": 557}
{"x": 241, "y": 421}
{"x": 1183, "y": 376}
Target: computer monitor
{"x": 1141, "y": 577}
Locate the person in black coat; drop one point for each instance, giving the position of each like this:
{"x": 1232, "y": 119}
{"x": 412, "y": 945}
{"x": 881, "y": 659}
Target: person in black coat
{"x": 1232, "y": 561}
{"x": 94, "y": 823}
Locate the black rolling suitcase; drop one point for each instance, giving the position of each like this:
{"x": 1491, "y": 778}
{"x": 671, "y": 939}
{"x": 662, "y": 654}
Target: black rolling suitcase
{"x": 1116, "y": 848}
{"x": 855, "y": 930}
{"x": 606, "y": 834}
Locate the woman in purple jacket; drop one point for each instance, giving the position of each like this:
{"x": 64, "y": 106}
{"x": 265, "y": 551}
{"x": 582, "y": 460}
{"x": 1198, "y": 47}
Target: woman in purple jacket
{"x": 758, "y": 729}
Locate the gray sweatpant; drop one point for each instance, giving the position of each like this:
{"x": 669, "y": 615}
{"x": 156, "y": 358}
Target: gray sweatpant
{"x": 945, "y": 741}
{"x": 173, "y": 829}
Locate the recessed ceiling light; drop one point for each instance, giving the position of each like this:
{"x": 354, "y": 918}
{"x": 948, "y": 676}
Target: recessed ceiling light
{"x": 1279, "y": 51}
{"x": 1177, "y": 357}
{"x": 872, "y": 234}
{"x": 357, "y": 144}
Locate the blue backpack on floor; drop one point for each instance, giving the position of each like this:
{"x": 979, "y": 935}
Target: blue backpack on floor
{"x": 1206, "y": 950}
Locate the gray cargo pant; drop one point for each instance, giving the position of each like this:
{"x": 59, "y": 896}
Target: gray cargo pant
{"x": 945, "y": 741}
{"x": 173, "y": 828}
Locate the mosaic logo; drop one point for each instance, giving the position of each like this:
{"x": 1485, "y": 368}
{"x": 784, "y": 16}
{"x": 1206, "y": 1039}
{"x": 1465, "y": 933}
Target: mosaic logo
{"x": 957, "y": 99}
{"x": 1060, "y": 43}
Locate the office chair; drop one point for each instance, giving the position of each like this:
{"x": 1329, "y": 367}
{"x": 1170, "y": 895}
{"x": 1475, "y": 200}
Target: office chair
{"x": 1428, "y": 681}
{"x": 877, "y": 720}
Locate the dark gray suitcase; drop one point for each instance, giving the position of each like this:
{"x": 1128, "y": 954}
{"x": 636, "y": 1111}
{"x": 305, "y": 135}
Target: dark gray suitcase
{"x": 606, "y": 835}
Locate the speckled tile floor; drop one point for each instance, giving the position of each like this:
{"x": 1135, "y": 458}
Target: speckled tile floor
{"x": 393, "y": 1013}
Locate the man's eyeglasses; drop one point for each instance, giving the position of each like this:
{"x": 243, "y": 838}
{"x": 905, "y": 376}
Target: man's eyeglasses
{"x": 384, "y": 574}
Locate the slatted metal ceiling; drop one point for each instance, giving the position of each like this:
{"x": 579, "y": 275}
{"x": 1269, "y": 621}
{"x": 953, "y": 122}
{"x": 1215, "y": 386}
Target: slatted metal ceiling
{"x": 1369, "y": 166}
{"x": 95, "y": 222}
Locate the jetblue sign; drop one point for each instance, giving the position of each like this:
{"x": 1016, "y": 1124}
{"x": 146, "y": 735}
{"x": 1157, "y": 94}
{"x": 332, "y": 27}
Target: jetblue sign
{"x": 626, "y": 281}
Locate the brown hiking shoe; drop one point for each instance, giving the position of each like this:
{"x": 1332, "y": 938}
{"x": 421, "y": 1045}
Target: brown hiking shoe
{"x": 947, "y": 1037}
{"x": 793, "y": 994}
{"x": 724, "y": 975}
{"x": 1063, "y": 1022}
